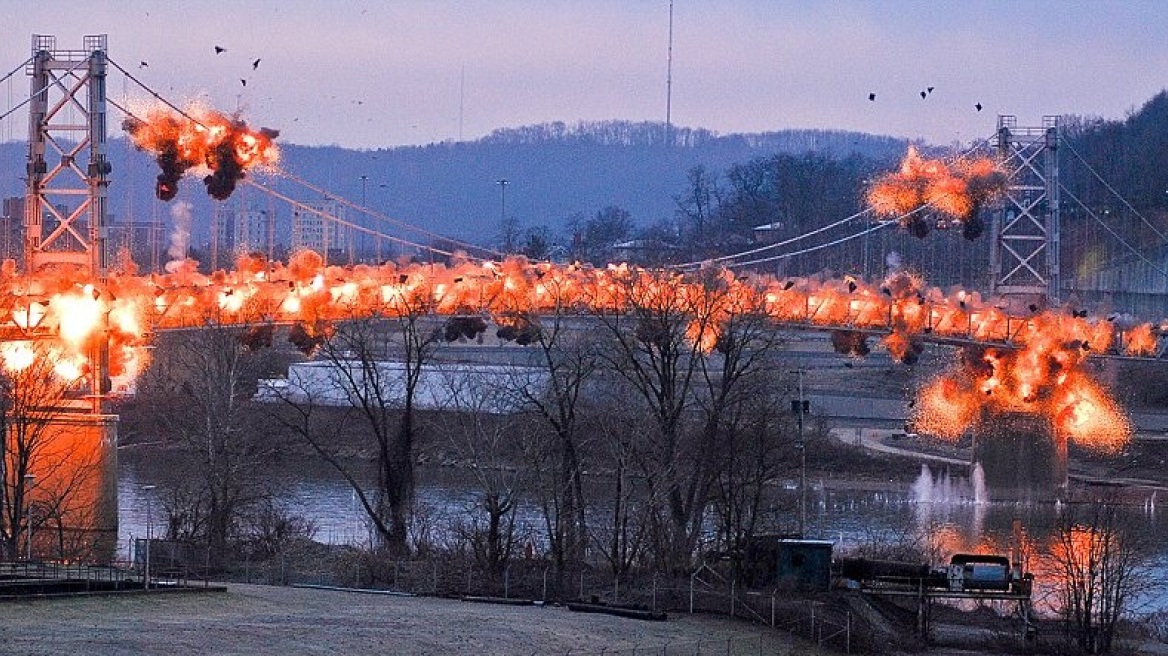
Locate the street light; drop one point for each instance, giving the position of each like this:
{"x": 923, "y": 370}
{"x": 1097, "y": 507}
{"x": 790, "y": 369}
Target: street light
{"x": 148, "y": 489}
{"x": 502, "y": 182}
{"x": 29, "y": 480}
{"x": 800, "y": 407}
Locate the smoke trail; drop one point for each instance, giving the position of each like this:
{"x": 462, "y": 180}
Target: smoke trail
{"x": 180, "y": 239}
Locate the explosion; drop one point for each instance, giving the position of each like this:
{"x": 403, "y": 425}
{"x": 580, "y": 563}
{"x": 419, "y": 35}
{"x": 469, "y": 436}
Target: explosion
{"x": 1045, "y": 376}
{"x": 1034, "y": 364}
{"x": 958, "y": 191}
{"x": 221, "y": 148}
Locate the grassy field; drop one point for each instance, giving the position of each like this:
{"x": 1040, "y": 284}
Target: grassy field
{"x": 249, "y": 619}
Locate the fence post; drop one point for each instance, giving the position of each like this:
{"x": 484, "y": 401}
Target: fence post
{"x": 543, "y": 597}
{"x": 434, "y": 578}
{"x": 733, "y": 581}
{"x": 776, "y": 591}
{"x": 581, "y": 584}
{"x": 691, "y": 592}
{"x": 654, "y": 606}
{"x": 507, "y": 581}
{"x": 848, "y": 634}
{"x": 616, "y": 589}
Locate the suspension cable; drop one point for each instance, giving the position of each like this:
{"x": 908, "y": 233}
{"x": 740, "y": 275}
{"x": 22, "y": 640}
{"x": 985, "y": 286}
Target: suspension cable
{"x": 811, "y": 249}
{"x": 1113, "y": 233}
{"x": 340, "y": 221}
{"x": 775, "y": 245}
{"x": 313, "y": 210}
{"x": 56, "y": 81}
{"x": 1116, "y": 193}
{"x": 381, "y": 217}
{"x": 156, "y": 95}
{"x": 14, "y": 71}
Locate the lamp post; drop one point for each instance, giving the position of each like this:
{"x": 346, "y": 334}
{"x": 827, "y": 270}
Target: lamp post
{"x": 29, "y": 481}
{"x": 799, "y": 407}
{"x": 148, "y": 490}
{"x": 502, "y": 182}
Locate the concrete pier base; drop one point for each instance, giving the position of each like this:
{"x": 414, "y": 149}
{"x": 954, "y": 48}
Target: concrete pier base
{"x": 1022, "y": 455}
{"x": 74, "y": 497}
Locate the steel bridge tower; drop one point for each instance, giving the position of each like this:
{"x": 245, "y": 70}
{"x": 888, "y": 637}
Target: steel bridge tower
{"x": 67, "y": 164}
{"x": 65, "y": 231}
{"x": 1024, "y": 247}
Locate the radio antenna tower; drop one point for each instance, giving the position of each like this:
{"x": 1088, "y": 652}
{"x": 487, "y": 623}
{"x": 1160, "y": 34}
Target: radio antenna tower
{"x": 669, "y": 82}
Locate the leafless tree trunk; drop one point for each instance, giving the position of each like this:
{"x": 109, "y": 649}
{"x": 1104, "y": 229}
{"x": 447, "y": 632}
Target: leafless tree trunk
{"x": 1102, "y": 564}
{"x": 490, "y": 441}
{"x": 43, "y": 466}
{"x": 380, "y": 397}
{"x": 197, "y": 390}
{"x": 566, "y": 353}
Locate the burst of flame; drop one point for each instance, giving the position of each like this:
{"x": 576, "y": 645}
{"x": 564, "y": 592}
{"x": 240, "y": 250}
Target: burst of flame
{"x": 1041, "y": 371}
{"x": 220, "y": 147}
{"x": 957, "y": 190}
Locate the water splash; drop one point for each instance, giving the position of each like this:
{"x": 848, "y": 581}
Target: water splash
{"x": 950, "y": 490}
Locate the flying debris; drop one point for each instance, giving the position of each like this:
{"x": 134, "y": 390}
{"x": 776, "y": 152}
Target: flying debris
{"x": 255, "y": 64}
{"x": 923, "y": 95}
{"x": 930, "y": 89}
{"x": 977, "y": 107}
{"x": 222, "y": 148}
{"x": 220, "y": 50}
{"x": 143, "y": 64}
{"x": 872, "y": 96}
{"x": 243, "y": 82}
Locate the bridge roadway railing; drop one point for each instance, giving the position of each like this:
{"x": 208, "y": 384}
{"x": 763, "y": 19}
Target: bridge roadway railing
{"x": 924, "y": 321}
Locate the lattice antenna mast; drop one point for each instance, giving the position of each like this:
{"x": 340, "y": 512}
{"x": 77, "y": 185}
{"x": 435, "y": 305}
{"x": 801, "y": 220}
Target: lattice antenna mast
{"x": 67, "y": 123}
{"x": 1024, "y": 252}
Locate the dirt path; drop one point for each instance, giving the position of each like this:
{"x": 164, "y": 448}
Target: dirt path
{"x": 250, "y": 619}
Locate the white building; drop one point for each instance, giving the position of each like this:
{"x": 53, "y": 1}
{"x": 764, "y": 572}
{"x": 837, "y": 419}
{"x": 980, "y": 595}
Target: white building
{"x": 469, "y": 387}
{"x": 315, "y": 232}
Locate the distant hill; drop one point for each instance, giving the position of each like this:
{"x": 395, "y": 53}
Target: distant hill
{"x": 554, "y": 170}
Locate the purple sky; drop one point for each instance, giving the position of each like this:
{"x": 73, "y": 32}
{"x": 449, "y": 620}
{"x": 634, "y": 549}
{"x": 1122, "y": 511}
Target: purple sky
{"x": 380, "y": 73}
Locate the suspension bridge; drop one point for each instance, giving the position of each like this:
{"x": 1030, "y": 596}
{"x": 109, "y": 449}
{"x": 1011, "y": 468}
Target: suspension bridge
{"x": 65, "y": 274}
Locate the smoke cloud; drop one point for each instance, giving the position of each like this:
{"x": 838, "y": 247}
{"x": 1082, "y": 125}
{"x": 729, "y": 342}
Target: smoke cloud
{"x": 222, "y": 148}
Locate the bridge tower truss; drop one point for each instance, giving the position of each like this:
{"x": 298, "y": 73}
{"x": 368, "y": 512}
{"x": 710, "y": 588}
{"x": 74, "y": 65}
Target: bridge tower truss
{"x": 1024, "y": 251}
{"x": 67, "y": 165}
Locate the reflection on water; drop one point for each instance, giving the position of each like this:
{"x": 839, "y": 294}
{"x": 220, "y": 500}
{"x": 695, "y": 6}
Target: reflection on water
{"x": 952, "y": 521}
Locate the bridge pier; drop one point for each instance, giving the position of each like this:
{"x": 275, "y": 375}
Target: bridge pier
{"x": 73, "y": 498}
{"x": 1023, "y": 456}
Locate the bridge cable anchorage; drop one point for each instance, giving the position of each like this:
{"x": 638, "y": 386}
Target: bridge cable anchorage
{"x": 347, "y": 224}
{"x": 1112, "y": 232}
{"x": 381, "y": 217}
{"x": 55, "y": 82}
{"x": 1112, "y": 189}
{"x": 811, "y": 249}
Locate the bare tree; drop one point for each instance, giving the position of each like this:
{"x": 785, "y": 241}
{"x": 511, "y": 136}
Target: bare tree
{"x": 50, "y": 475}
{"x": 656, "y": 346}
{"x": 740, "y": 413}
{"x": 198, "y": 389}
{"x": 484, "y": 433}
{"x": 1102, "y": 564}
{"x": 565, "y": 353}
{"x": 374, "y": 394}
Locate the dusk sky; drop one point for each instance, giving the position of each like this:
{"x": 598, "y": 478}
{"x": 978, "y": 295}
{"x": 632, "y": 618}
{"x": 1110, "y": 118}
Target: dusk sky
{"x": 382, "y": 74}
